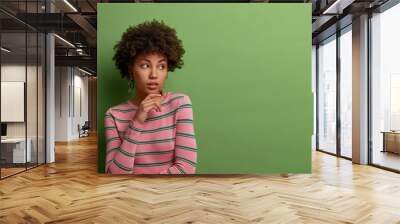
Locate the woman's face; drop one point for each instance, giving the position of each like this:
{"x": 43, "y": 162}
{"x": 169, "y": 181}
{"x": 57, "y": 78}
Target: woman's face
{"x": 149, "y": 72}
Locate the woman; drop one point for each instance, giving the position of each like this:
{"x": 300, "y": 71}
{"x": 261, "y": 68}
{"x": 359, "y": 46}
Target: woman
{"x": 153, "y": 132}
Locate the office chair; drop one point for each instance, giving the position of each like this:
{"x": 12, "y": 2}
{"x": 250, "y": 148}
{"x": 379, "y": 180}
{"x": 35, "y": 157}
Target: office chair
{"x": 84, "y": 130}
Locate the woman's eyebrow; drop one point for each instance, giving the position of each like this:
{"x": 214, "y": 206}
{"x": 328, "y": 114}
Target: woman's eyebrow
{"x": 145, "y": 59}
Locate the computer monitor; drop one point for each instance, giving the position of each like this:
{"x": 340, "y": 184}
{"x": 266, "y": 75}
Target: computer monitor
{"x": 3, "y": 129}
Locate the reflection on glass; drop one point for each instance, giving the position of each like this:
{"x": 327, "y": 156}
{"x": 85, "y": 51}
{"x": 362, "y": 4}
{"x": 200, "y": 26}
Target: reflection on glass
{"x": 327, "y": 96}
{"x": 13, "y": 84}
{"x": 22, "y": 88}
{"x": 346, "y": 94}
{"x": 386, "y": 89}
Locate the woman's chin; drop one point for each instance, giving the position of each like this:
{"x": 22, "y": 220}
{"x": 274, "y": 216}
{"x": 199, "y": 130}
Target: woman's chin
{"x": 151, "y": 91}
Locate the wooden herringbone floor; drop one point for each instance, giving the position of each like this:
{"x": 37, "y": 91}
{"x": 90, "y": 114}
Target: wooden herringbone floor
{"x": 71, "y": 191}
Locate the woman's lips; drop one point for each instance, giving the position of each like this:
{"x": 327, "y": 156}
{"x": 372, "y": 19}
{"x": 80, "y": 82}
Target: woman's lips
{"x": 152, "y": 85}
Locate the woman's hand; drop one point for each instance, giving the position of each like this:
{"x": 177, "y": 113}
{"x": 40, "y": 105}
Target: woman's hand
{"x": 150, "y": 102}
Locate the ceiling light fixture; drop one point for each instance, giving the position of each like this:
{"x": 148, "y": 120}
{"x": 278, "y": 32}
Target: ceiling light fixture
{"x": 64, "y": 40}
{"x": 86, "y": 72}
{"x": 5, "y": 49}
{"x": 337, "y": 7}
{"x": 70, "y": 5}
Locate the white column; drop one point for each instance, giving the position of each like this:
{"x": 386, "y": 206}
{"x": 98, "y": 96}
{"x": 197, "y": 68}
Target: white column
{"x": 360, "y": 90}
{"x": 50, "y": 110}
{"x": 50, "y": 93}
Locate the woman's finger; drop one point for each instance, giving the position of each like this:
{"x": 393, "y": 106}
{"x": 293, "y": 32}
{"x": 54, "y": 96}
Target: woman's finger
{"x": 148, "y": 101}
{"x": 151, "y": 102}
{"x": 151, "y": 96}
{"x": 152, "y": 105}
{"x": 158, "y": 106}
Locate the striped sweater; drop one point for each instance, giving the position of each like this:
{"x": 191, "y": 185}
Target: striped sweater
{"x": 164, "y": 144}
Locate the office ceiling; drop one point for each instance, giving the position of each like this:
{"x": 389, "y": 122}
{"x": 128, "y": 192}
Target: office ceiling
{"x": 76, "y": 22}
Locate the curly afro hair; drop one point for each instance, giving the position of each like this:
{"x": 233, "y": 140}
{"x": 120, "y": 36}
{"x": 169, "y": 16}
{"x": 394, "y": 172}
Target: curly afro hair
{"x": 148, "y": 37}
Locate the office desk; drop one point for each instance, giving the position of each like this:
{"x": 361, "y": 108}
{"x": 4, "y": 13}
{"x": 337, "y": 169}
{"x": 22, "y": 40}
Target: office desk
{"x": 391, "y": 141}
{"x": 13, "y": 150}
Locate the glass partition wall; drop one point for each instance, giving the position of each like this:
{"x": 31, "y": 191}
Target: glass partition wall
{"x": 385, "y": 89}
{"x": 345, "y": 61}
{"x": 22, "y": 77}
{"x": 334, "y": 86}
{"x": 326, "y": 135}
{"x": 334, "y": 95}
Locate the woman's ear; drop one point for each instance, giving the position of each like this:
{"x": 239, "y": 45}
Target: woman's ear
{"x": 130, "y": 71}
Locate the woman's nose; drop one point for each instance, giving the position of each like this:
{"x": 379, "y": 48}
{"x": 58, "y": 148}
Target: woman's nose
{"x": 153, "y": 73}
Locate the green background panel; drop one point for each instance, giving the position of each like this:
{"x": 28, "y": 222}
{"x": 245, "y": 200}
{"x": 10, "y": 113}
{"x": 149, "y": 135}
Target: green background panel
{"x": 247, "y": 71}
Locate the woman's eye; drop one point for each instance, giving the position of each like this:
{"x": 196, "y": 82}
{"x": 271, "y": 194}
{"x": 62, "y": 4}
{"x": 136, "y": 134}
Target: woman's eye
{"x": 144, "y": 66}
{"x": 162, "y": 67}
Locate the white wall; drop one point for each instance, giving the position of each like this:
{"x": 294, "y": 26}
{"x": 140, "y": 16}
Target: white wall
{"x": 70, "y": 84}
{"x": 79, "y": 112}
{"x": 15, "y": 72}
{"x": 61, "y": 103}
{"x": 34, "y": 125}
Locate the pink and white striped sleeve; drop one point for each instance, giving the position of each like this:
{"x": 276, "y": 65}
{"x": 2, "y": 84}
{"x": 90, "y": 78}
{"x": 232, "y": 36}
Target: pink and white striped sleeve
{"x": 185, "y": 144}
{"x": 120, "y": 149}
